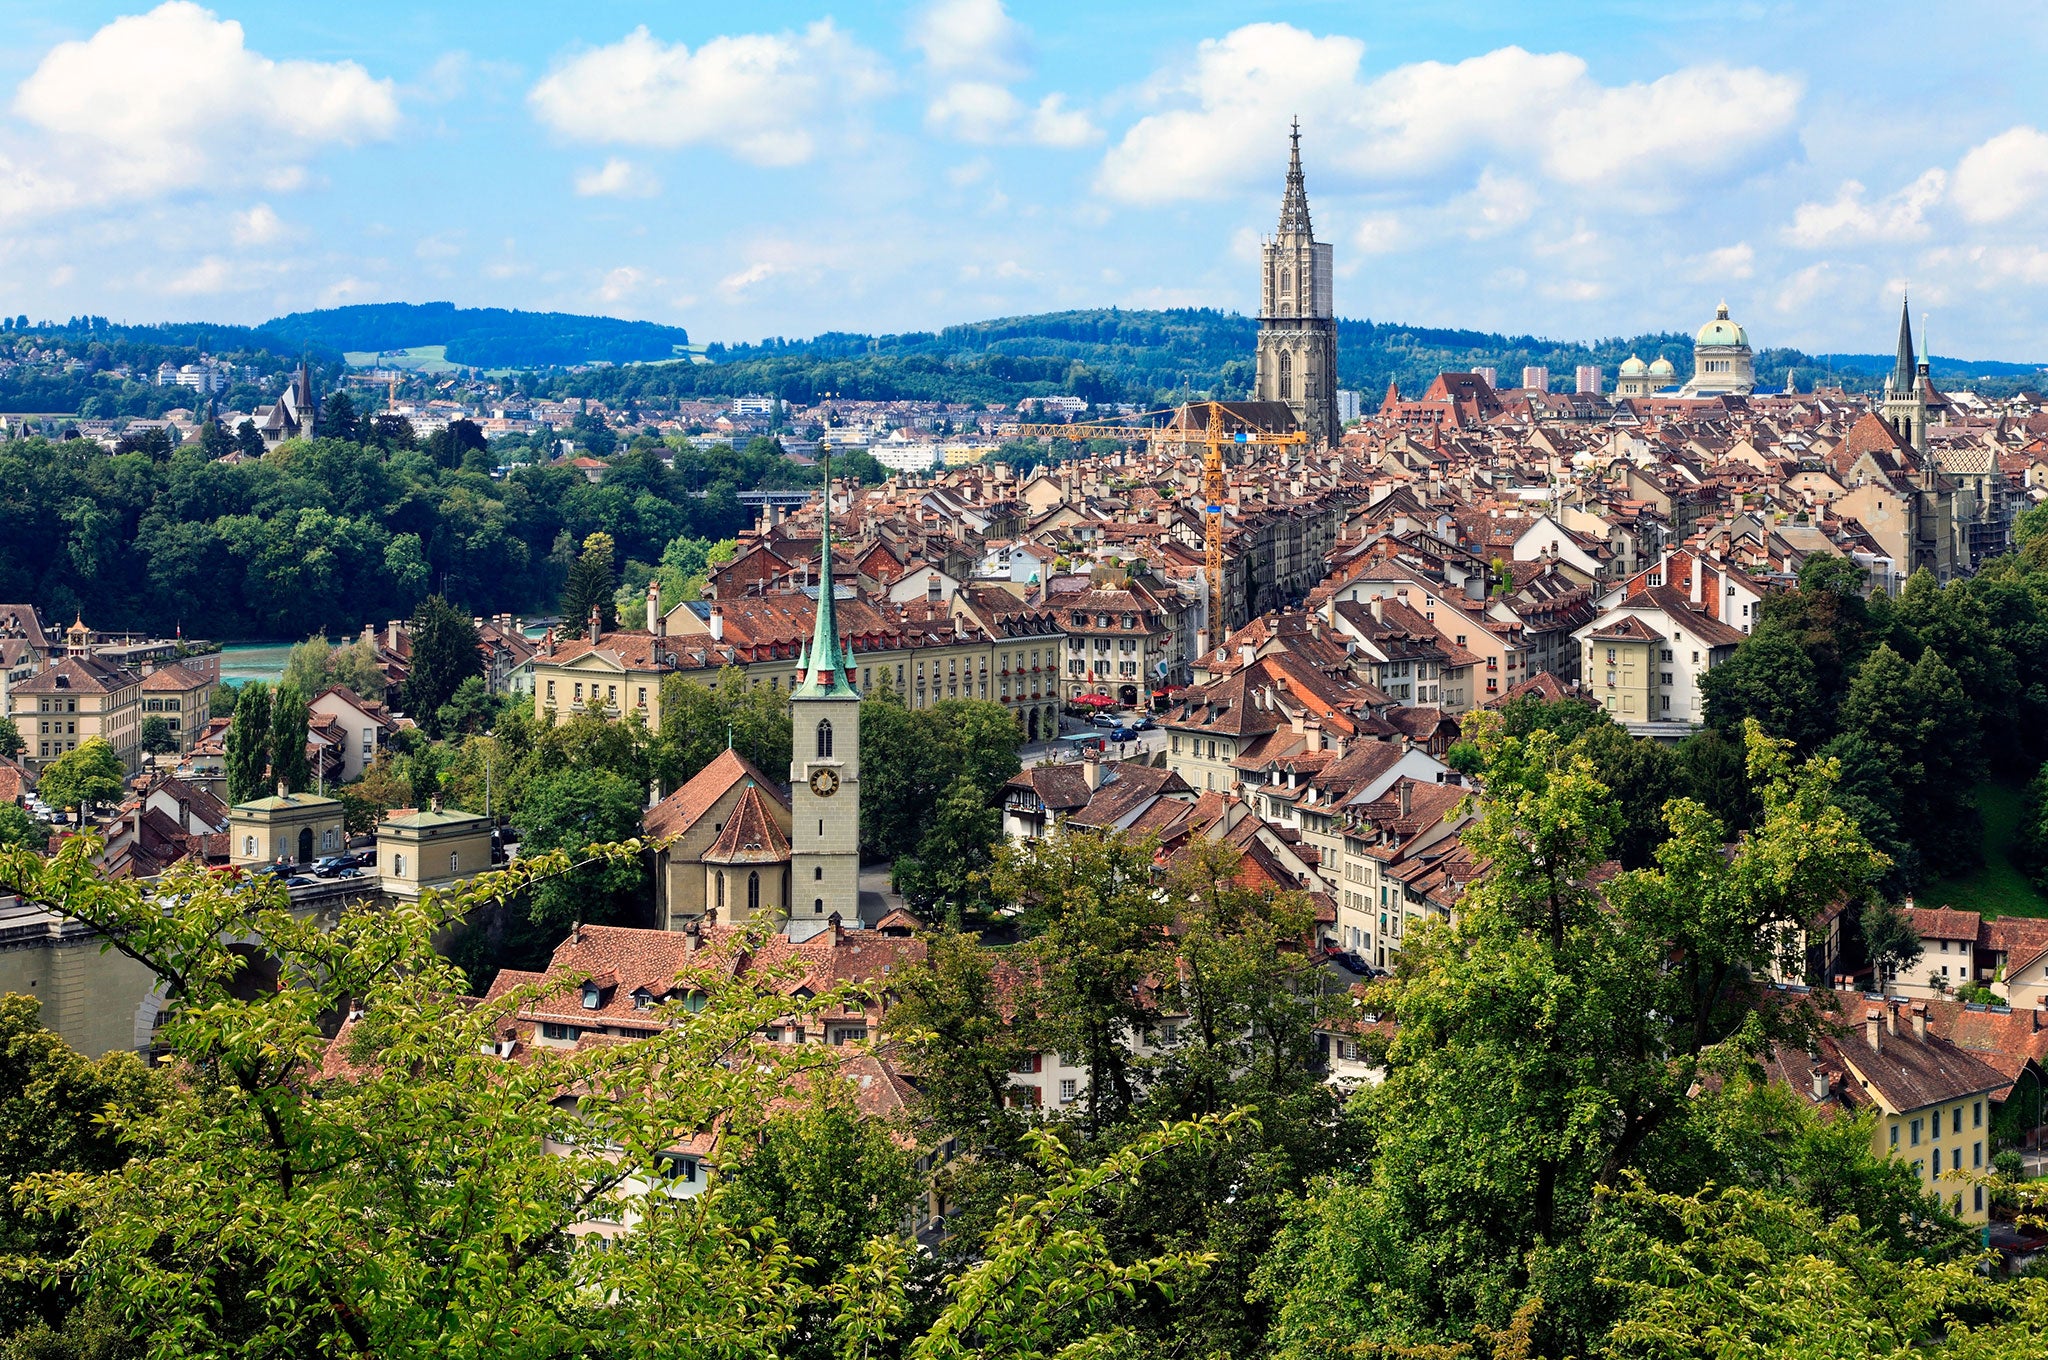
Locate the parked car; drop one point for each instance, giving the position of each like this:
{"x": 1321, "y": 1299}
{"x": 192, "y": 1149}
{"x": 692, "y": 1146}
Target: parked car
{"x": 302, "y": 881}
{"x": 1105, "y": 720}
{"x": 273, "y": 870}
{"x": 1123, "y": 734}
{"x": 1350, "y": 963}
{"x": 348, "y": 871}
{"x": 1144, "y": 724}
{"x": 332, "y": 866}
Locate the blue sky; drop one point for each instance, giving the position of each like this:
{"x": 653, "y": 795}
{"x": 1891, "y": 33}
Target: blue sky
{"x": 778, "y": 169}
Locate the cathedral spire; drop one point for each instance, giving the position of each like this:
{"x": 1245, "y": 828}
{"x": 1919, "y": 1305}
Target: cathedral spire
{"x": 828, "y": 672}
{"x": 1294, "y": 204}
{"x": 1905, "y": 375}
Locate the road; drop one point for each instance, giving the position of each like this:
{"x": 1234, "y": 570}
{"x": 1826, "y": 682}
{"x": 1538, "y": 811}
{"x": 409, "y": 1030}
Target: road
{"x": 1148, "y": 744}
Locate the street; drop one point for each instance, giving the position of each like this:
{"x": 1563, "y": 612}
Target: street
{"x": 1148, "y": 744}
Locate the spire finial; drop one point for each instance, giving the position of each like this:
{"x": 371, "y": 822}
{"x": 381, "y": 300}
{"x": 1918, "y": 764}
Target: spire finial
{"x": 1294, "y": 203}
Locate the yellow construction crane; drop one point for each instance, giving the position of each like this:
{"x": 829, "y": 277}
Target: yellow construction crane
{"x": 1214, "y": 435}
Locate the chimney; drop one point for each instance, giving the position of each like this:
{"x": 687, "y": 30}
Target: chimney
{"x": 1891, "y": 1018}
{"x": 2040, "y": 1018}
{"x": 1247, "y": 653}
{"x": 1870, "y": 1029}
{"x": 596, "y": 625}
{"x": 1314, "y": 733}
{"x": 838, "y": 929}
{"x": 1091, "y": 770}
{"x": 717, "y": 621}
{"x": 1820, "y": 1084}
{"x": 1378, "y": 616}
{"x": 1404, "y": 786}
{"x": 656, "y": 624}
{"x": 931, "y": 587}
{"x": 391, "y": 634}
{"x": 1919, "y": 1019}
{"x": 693, "y": 937}
{"x": 1698, "y": 570}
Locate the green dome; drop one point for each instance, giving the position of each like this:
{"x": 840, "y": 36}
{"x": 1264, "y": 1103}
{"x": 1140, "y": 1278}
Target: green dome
{"x": 1662, "y": 368}
{"x": 1633, "y": 367}
{"x": 1721, "y": 332}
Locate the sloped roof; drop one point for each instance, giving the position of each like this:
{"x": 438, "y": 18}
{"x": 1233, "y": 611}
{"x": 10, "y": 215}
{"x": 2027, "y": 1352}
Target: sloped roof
{"x": 751, "y": 834}
{"x": 678, "y": 812}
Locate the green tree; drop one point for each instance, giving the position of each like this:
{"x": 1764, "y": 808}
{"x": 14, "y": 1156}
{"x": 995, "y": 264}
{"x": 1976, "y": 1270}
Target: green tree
{"x": 950, "y": 870}
{"x": 306, "y": 666}
{"x": 698, "y": 721}
{"x": 1550, "y": 1044}
{"x": 11, "y": 743}
{"x": 963, "y": 1030}
{"x": 65, "y": 1115}
{"x": 18, "y": 830}
{"x": 570, "y": 810}
{"x": 1890, "y": 944}
{"x": 338, "y": 417}
{"x": 1916, "y": 722}
{"x": 444, "y": 654}
{"x": 157, "y": 737}
{"x": 1642, "y": 775}
{"x": 909, "y": 758}
{"x": 88, "y": 773}
{"x": 1096, "y": 922}
{"x": 590, "y": 586}
{"x": 289, "y": 764}
{"x": 248, "y": 743}
{"x": 1770, "y": 678}
{"x": 471, "y": 709}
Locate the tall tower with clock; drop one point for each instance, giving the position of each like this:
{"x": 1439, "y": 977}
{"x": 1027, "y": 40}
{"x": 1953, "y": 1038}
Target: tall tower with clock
{"x": 824, "y": 766}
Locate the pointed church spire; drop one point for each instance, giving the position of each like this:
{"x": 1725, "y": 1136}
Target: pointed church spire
{"x": 828, "y": 670}
{"x": 1903, "y": 376}
{"x": 1294, "y": 204}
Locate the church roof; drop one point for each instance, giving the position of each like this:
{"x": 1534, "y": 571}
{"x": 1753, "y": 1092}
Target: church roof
{"x": 751, "y": 835}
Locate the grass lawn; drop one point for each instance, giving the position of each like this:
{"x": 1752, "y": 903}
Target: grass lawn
{"x": 1997, "y": 888}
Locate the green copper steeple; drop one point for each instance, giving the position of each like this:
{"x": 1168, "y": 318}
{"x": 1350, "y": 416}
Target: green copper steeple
{"x": 827, "y": 668}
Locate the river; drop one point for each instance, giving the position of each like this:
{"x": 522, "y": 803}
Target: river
{"x": 241, "y": 662}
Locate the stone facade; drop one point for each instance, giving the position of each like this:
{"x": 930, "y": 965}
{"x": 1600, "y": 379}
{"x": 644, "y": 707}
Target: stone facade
{"x": 1297, "y": 356}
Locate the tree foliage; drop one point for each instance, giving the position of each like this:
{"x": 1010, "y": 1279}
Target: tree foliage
{"x": 247, "y": 744}
{"x": 444, "y": 654}
{"x": 88, "y": 773}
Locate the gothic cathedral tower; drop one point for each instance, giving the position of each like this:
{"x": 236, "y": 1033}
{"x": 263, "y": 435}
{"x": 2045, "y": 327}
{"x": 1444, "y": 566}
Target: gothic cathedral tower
{"x": 1905, "y": 399}
{"x": 824, "y": 767}
{"x": 1297, "y": 321}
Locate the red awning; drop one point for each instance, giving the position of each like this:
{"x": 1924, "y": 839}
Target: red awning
{"x": 1094, "y": 700}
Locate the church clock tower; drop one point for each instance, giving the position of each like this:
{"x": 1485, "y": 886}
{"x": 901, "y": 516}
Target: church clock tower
{"x": 1297, "y": 361}
{"x": 824, "y": 767}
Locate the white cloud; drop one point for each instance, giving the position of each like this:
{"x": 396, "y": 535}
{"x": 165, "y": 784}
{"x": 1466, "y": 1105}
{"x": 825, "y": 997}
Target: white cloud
{"x": 735, "y": 285}
{"x": 1225, "y": 112}
{"x": 1808, "y": 286}
{"x": 1053, "y": 124}
{"x": 972, "y": 37}
{"x": 1729, "y": 262}
{"x": 621, "y": 283}
{"x": 616, "y": 178}
{"x": 1380, "y": 234}
{"x": 210, "y": 275}
{"x": 764, "y": 97}
{"x": 444, "y": 245}
{"x": 1496, "y": 204}
{"x": 2001, "y": 177}
{"x": 259, "y": 226}
{"x": 982, "y": 111}
{"x": 1851, "y": 218}
{"x": 152, "y": 103}
{"x": 970, "y": 172}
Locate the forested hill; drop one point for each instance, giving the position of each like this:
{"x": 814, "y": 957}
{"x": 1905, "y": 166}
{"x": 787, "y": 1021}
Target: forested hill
{"x": 482, "y": 337}
{"x": 1157, "y": 357}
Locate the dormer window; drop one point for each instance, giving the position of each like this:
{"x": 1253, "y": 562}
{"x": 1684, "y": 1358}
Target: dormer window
{"x": 592, "y": 996}
{"x": 642, "y": 999}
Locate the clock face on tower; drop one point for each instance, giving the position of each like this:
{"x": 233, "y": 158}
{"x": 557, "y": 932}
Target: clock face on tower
{"x": 825, "y": 782}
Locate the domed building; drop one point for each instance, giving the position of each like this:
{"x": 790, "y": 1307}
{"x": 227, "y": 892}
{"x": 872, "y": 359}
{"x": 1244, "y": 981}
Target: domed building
{"x": 1722, "y": 362}
{"x": 1638, "y": 379}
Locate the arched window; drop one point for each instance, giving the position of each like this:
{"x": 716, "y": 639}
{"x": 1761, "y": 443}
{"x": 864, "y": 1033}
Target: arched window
{"x": 721, "y": 889}
{"x": 818, "y": 906}
{"x": 824, "y": 738}
{"x": 818, "y": 872}
{"x": 1286, "y": 375}
{"x": 1286, "y": 282}
{"x": 249, "y": 846}
{"x": 753, "y": 891}
{"x": 454, "y": 862}
{"x": 398, "y": 865}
